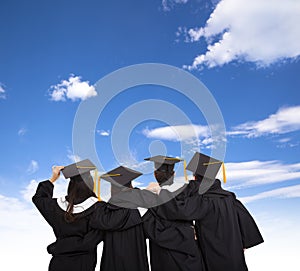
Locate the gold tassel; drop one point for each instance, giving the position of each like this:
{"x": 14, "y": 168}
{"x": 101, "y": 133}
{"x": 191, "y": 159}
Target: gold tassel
{"x": 223, "y": 168}
{"x": 109, "y": 175}
{"x": 95, "y": 180}
{"x": 184, "y": 171}
{"x": 99, "y": 182}
{"x": 224, "y": 172}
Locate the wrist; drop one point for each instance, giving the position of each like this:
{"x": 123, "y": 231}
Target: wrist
{"x": 52, "y": 179}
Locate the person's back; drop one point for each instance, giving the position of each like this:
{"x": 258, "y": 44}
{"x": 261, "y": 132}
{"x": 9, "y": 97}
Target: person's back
{"x": 172, "y": 244}
{"x": 69, "y": 216}
{"x": 219, "y": 233}
{"x": 74, "y": 217}
{"x": 224, "y": 227}
{"x": 125, "y": 250}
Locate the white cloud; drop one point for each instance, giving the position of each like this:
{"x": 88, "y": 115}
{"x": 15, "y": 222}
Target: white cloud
{"x": 24, "y": 236}
{"x": 285, "y": 120}
{"x": 60, "y": 189}
{"x": 33, "y": 167}
{"x": 23, "y": 231}
{"x": 103, "y": 132}
{"x": 2, "y": 92}
{"x": 22, "y": 131}
{"x": 73, "y": 89}
{"x": 178, "y": 133}
{"x": 73, "y": 157}
{"x": 169, "y": 4}
{"x": 285, "y": 192}
{"x": 259, "y": 31}
{"x": 193, "y": 135}
{"x": 280, "y": 233}
{"x": 255, "y": 173}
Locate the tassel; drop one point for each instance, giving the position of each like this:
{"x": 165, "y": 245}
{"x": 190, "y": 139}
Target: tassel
{"x": 99, "y": 182}
{"x": 184, "y": 171}
{"x": 95, "y": 180}
{"x": 224, "y": 172}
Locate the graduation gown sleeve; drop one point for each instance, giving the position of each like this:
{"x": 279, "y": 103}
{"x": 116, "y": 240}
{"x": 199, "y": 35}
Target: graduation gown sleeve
{"x": 133, "y": 198}
{"x": 75, "y": 245}
{"x": 173, "y": 236}
{"x": 251, "y": 235}
{"x": 42, "y": 199}
{"x": 110, "y": 217}
{"x": 183, "y": 208}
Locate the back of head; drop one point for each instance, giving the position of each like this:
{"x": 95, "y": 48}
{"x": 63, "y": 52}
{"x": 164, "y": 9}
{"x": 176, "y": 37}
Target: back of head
{"x": 78, "y": 191}
{"x": 164, "y": 178}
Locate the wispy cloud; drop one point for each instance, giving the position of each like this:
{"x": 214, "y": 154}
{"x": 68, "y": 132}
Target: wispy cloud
{"x": 33, "y": 167}
{"x": 285, "y": 120}
{"x": 103, "y": 132}
{"x": 73, "y": 157}
{"x": 2, "y": 92}
{"x": 178, "y": 133}
{"x": 232, "y": 33}
{"x": 169, "y": 4}
{"x": 285, "y": 192}
{"x": 60, "y": 188}
{"x": 73, "y": 89}
{"x": 22, "y": 131}
{"x": 196, "y": 135}
{"x": 257, "y": 173}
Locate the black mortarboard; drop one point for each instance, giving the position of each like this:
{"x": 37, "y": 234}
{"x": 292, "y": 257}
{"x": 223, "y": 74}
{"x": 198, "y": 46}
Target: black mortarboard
{"x": 78, "y": 168}
{"x": 205, "y": 166}
{"x": 163, "y": 163}
{"x": 121, "y": 175}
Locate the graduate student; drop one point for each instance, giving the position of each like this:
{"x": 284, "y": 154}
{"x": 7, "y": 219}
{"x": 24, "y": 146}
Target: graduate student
{"x": 224, "y": 227}
{"x": 77, "y": 215}
{"x": 172, "y": 244}
{"x": 124, "y": 250}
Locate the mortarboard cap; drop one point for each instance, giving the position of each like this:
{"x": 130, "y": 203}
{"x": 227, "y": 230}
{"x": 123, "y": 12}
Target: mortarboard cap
{"x": 163, "y": 163}
{"x": 121, "y": 175}
{"x": 205, "y": 166}
{"x": 78, "y": 168}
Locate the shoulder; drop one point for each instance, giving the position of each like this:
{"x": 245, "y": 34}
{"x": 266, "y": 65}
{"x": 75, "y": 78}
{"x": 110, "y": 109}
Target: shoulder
{"x": 78, "y": 208}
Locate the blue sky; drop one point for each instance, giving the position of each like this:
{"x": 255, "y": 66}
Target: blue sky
{"x": 52, "y": 54}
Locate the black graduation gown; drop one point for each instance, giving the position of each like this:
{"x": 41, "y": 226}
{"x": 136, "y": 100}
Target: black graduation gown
{"x": 125, "y": 250}
{"x": 172, "y": 243}
{"x": 94, "y": 217}
{"x": 224, "y": 227}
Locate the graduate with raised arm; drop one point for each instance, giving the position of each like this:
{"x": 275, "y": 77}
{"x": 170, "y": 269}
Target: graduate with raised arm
{"x": 123, "y": 249}
{"x": 224, "y": 227}
{"x": 172, "y": 244}
{"x": 77, "y": 215}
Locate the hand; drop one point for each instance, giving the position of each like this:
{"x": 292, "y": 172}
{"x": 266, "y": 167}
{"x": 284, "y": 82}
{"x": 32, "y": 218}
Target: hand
{"x": 55, "y": 173}
{"x": 153, "y": 187}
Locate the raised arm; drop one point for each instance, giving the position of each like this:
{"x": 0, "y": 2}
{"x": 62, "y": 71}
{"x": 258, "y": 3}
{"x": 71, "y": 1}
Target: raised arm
{"x": 42, "y": 198}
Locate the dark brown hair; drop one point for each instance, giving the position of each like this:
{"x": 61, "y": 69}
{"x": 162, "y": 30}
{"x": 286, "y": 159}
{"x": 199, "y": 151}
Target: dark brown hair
{"x": 78, "y": 192}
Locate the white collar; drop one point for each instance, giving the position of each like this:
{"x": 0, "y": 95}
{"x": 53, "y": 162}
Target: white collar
{"x": 78, "y": 208}
{"x": 173, "y": 187}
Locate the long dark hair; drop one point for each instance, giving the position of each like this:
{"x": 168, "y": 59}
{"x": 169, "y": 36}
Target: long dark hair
{"x": 78, "y": 192}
